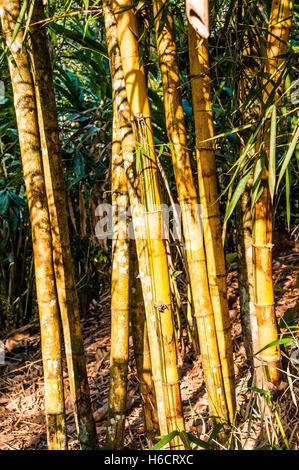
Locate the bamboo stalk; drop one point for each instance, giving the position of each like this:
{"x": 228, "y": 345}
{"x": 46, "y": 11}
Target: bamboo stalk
{"x": 165, "y": 378}
{"x": 25, "y": 106}
{"x": 141, "y": 350}
{"x": 175, "y": 123}
{"x": 210, "y": 214}
{"x": 244, "y": 217}
{"x": 150, "y": 196}
{"x": 62, "y": 258}
{"x": 278, "y": 33}
{"x": 119, "y": 355}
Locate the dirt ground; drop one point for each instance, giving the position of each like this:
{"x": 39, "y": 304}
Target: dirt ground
{"x": 22, "y": 422}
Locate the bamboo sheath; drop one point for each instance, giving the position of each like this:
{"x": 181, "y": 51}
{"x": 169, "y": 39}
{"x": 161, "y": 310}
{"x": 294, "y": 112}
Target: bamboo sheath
{"x": 165, "y": 375}
{"x": 62, "y": 258}
{"x": 278, "y": 34}
{"x": 119, "y": 354}
{"x": 25, "y": 106}
{"x": 208, "y": 193}
{"x": 195, "y": 252}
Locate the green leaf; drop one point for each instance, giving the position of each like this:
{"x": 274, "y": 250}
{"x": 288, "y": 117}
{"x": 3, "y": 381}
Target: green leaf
{"x": 216, "y": 430}
{"x": 199, "y": 442}
{"x": 288, "y": 156}
{"x": 288, "y": 203}
{"x": 185, "y": 439}
{"x": 272, "y": 153}
{"x": 165, "y": 440}
{"x": 237, "y": 194}
{"x": 278, "y": 342}
{"x": 4, "y": 203}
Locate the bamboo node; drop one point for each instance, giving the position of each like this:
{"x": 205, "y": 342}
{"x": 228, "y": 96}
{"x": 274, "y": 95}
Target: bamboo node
{"x": 196, "y": 315}
{"x": 170, "y": 384}
{"x": 162, "y": 307}
{"x": 269, "y": 246}
{"x": 264, "y": 305}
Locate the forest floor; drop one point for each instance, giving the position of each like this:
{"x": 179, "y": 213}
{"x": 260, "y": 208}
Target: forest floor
{"x": 22, "y": 422}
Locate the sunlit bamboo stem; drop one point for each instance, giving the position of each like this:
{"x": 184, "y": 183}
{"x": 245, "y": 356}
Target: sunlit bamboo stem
{"x": 119, "y": 354}
{"x": 150, "y": 196}
{"x": 278, "y": 34}
{"x": 62, "y": 258}
{"x": 175, "y": 123}
{"x": 151, "y": 252}
{"x": 25, "y": 106}
{"x": 208, "y": 192}
{"x": 141, "y": 349}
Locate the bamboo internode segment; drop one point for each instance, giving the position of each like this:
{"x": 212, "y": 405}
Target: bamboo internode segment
{"x": 119, "y": 353}
{"x": 279, "y": 27}
{"x": 62, "y": 258}
{"x": 196, "y": 260}
{"x": 161, "y": 335}
{"x": 25, "y": 106}
{"x": 141, "y": 349}
{"x": 208, "y": 192}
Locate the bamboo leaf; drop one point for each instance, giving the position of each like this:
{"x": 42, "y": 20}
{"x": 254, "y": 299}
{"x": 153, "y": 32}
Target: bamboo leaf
{"x": 278, "y": 342}
{"x": 288, "y": 156}
{"x": 288, "y": 203}
{"x": 272, "y": 153}
{"x": 165, "y": 440}
{"x": 216, "y": 430}
{"x": 199, "y": 442}
{"x": 237, "y": 194}
{"x": 29, "y": 16}
{"x": 185, "y": 439}
{"x": 258, "y": 171}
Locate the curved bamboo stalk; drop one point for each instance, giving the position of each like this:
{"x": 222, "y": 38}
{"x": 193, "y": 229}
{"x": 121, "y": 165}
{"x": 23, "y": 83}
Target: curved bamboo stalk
{"x": 196, "y": 259}
{"x": 119, "y": 355}
{"x": 279, "y": 27}
{"x": 62, "y": 258}
{"x": 208, "y": 193}
{"x": 169, "y": 412}
{"x": 25, "y": 106}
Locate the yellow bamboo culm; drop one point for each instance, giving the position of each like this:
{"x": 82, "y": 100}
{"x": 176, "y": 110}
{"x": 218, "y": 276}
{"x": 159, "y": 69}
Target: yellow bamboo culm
{"x": 175, "y": 123}
{"x": 151, "y": 252}
{"x": 150, "y": 193}
{"x": 119, "y": 354}
{"x": 210, "y": 214}
{"x": 244, "y": 217}
{"x": 62, "y": 258}
{"x": 141, "y": 350}
{"x": 128, "y": 150}
{"x": 25, "y": 107}
{"x": 279, "y": 27}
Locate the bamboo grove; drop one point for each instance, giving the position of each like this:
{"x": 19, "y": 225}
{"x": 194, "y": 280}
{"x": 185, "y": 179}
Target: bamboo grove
{"x": 159, "y": 148}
